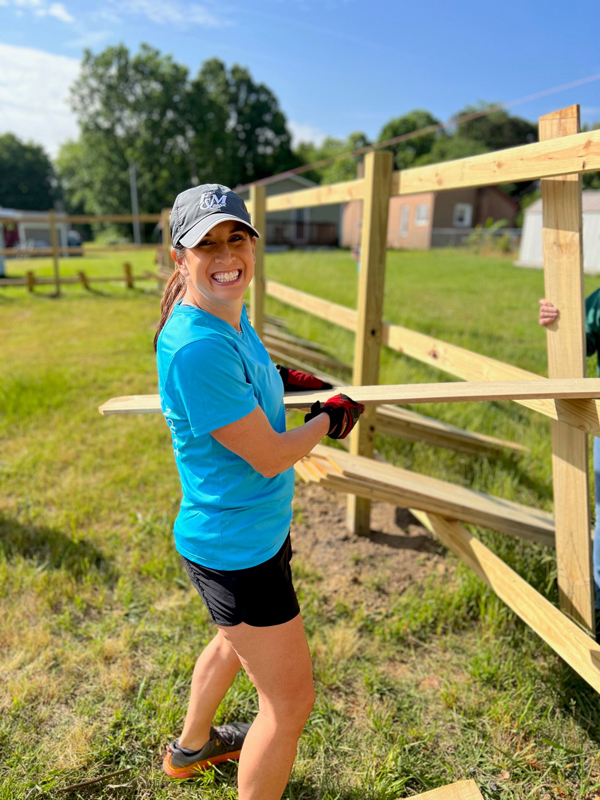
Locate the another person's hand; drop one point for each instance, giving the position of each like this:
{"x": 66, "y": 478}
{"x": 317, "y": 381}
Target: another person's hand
{"x": 343, "y": 414}
{"x": 548, "y": 313}
{"x": 296, "y": 381}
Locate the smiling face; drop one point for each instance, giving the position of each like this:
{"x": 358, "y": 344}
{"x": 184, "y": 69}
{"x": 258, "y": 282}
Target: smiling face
{"x": 219, "y": 268}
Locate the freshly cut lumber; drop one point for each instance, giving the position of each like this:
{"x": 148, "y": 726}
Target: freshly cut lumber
{"x": 583, "y": 415}
{"x": 562, "y": 244}
{"x": 462, "y": 790}
{"x": 414, "y": 427}
{"x": 403, "y": 393}
{"x": 574, "y": 646}
{"x": 341, "y": 192}
{"x": 565, "y": 156}
{"x": 376, "y": 480}
{"x": 457, "y": 392}
{"x": 257, "y": 287}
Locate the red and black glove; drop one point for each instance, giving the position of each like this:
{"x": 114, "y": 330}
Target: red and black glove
{"x": 296, "y": 381}
{"x": 343, "y": 414}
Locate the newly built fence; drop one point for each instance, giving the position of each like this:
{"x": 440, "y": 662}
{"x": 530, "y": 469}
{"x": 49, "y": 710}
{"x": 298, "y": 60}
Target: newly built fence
{"x": 558, "y": 160}
{"x": 560, "y": 157}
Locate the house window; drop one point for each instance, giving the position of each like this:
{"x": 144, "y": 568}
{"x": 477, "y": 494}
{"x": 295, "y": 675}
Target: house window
{"x": 404, "y": 221}
{"x": 463, "y": 215}
{"x": 421, "y": 214}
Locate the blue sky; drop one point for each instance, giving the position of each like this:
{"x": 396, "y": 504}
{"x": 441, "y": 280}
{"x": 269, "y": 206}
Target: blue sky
{"x": 337, "y": 66}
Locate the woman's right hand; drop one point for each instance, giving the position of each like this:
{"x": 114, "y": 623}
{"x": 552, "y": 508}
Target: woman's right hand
{"x": 548, "y": 313}
{"x": 343, "y": 414}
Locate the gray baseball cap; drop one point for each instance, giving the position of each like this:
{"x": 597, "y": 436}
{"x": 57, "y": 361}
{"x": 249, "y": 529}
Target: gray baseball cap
{"x": 197, "y": 210}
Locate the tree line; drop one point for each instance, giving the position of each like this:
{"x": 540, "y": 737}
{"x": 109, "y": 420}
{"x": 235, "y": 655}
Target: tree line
{"x": 181, "y": 130}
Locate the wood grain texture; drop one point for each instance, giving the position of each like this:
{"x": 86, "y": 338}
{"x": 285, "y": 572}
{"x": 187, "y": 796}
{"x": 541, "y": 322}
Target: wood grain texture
{"x": 408, "y": 393}
{"x": 571, "y": 154}
{"x": 450, "y": 358}
{"x": 367, "y": 344}
{"x": 462, "y": 790}
{"x": 457, "y": 392}
{"x": 562, "y": 243}
{"x": 342, "y": 192}
{"x": 376, "y": 480}
{"x": 257, "y": 287}
{"x": 572, "y": 644}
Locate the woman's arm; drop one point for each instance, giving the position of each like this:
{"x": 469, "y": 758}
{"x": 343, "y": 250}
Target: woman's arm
{"x": 253, "y": 438}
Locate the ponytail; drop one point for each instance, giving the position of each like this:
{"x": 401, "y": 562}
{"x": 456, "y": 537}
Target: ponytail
{"x": 174, "y": 290}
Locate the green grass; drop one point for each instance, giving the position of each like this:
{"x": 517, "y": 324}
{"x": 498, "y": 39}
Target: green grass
{"x": 99, "y": 629}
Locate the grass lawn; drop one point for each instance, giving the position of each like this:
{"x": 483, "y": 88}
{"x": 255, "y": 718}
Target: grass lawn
{"x": 99, "y": 628}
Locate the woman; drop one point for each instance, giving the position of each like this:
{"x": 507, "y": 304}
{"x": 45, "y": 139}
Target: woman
{"x": 223, "y": 401}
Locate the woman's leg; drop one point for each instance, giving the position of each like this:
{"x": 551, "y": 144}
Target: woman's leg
{"x": 213, "y": 675}
{"x": 278, "y": 663}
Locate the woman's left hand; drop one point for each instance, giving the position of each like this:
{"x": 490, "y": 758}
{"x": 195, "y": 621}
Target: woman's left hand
{"x": 296, "y": 381}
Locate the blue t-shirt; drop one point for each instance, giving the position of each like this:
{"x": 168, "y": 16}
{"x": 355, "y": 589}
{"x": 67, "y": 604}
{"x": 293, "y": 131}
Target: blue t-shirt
{"x": 209, "y": 375}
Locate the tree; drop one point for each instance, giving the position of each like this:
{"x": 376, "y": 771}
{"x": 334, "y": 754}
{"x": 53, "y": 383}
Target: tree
{"x": 27, "y": 178}
{"x": 495, "y": 130}
{"x": 449, "y": 148}
{"x": 407, "y": 152}
{"x": 343, "y": 169}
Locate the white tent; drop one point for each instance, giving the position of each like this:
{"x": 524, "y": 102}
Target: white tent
{"x": 530, "y": 252}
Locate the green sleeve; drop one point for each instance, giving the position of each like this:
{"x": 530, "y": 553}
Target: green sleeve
{"x": 592, "y": 322}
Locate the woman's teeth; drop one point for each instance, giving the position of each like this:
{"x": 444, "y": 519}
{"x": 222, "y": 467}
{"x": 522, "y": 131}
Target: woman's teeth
{"x": 227, "y": 277}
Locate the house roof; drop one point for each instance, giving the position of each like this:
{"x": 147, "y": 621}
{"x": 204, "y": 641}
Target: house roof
{"x": 300, "y": 179}
{"x": 590, "y": 201}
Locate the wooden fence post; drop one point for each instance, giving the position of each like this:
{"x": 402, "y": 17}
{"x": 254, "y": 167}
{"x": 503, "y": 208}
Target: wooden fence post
{"x": 166, "y": 240}
{"x": 128, "y": 275}
{"x": 83, "y": 278}
{"x": 563, "y": 273}
{"x": 54, "y": 245}
{"x": 257, "y": 287}
{"x": 30, "y": 281}
{"x": 377, "y": 186}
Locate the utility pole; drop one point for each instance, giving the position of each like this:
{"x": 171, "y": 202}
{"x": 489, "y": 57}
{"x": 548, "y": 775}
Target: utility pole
{"x": 134, "y": 204}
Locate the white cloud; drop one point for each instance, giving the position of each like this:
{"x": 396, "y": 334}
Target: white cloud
{"x": 301, "y": 132}
{"x": 41, "y": 8}
{"x": 34, "y": 88}
{"x": 176, "y": 12}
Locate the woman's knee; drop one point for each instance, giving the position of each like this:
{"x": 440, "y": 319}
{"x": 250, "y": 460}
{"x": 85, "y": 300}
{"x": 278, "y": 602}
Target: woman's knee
{"x": 290, "y": 712}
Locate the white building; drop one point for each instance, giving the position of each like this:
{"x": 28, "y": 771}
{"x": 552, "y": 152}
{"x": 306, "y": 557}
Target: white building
{"x": 33, "y": 226}
{"x": 530, "y": 252}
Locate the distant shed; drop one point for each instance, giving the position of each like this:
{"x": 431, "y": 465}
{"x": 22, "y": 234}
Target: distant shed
{"x": 530, "y": 252}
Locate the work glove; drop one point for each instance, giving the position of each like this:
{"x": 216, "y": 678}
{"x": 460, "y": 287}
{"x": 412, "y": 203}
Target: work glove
{"x": 296, "y": 381}
{"x": 343, "y": 414}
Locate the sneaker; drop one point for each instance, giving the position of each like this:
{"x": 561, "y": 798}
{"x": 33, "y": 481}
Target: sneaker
{"x": 225, "y": 744}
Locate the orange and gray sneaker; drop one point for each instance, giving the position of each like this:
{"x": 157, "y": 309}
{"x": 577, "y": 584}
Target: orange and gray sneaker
{"x": 225, "y": 744}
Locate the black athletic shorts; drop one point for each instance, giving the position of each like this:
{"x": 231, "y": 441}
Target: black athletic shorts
{"x": 259, "y": 596}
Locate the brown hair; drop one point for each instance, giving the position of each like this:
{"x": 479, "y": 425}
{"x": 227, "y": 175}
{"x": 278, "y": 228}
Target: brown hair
{"x": 174, "y": 290}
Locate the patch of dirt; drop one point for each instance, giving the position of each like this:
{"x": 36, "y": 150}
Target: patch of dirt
{"x": 361, "y": 570}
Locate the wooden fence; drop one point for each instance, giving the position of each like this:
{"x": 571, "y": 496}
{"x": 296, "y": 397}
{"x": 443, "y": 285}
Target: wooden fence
{"x": 558, "y": 160}
{"x": 57, "y": 251}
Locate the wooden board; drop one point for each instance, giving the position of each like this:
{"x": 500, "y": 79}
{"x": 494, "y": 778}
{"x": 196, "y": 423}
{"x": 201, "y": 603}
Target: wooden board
{"x": 571, "y": 154}
{"x": 367, "y": 343}
{"x": 334, "y": 193}
{"x": 402, "y": 393}
{"x": 257, "y": 287}
{"x": 562, "y": 242}
{"x": 457, "y": 392}
{"x": 378, "y": 480}
{"x": 462, "y": 790}
{"x": 457, "y": 361}
{"x": 572, "y": 644}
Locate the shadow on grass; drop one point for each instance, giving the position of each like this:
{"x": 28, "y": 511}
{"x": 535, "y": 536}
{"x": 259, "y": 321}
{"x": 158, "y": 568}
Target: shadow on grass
{"x": 578, "y": 699}
{"x": 50, "y": 548}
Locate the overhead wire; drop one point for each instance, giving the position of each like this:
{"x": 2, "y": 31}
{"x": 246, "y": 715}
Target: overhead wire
{"x": 325, "y": 162}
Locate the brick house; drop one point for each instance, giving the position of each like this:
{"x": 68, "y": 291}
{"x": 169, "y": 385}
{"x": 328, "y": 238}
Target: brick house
{"x": 433, "y": 219}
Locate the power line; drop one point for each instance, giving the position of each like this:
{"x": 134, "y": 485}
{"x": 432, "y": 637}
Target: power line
{"x": 429, "y": 129}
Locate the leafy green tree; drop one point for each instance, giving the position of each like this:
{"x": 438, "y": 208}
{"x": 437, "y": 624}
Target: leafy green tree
{"x": 407, "y": 153}
{"x": 343, "y": 169}
{"x": 27, "y": 178}
{"x": 144, "y": 109}
{"x": 449, "y": 148}
{"x": 495, "y": 130}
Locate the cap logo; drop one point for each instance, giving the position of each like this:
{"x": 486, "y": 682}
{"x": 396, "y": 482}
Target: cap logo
{"x": 209, "y": 200}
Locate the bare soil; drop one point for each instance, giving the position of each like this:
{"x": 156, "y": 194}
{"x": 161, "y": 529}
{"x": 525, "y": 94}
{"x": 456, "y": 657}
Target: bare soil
{"x": 361, "y": 570}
